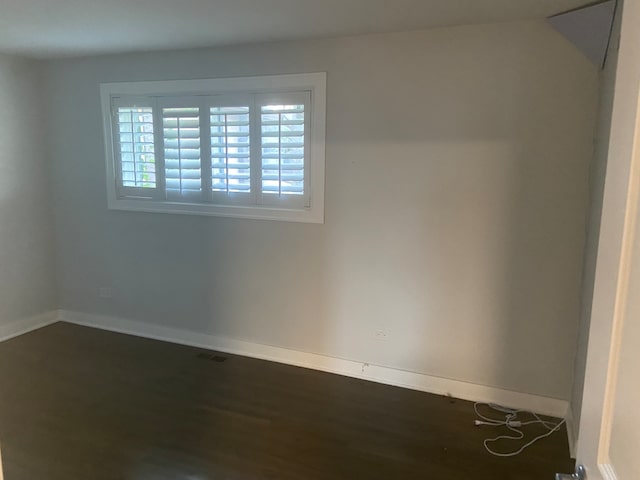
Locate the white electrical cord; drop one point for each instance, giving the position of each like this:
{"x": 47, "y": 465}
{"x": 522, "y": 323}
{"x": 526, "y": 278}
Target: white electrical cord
{"x": 513, "y": 424}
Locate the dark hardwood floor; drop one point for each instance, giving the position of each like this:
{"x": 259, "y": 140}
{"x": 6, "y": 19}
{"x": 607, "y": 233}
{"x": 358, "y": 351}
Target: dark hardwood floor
{"x": 83, "y": 404}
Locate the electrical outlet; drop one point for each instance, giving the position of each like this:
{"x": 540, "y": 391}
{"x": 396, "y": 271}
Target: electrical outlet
{"x": 381, "y": 335}
{"x": 105, "y": 292}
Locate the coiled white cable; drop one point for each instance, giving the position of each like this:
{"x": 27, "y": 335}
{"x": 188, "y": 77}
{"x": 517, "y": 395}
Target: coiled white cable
{"x": 513, "y": 424}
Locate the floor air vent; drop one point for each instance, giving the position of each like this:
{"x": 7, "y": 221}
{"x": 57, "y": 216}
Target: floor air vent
{"x": 212, "y": 356}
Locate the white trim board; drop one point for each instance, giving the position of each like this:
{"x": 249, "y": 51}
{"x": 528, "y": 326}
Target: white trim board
{"x": 571, "y": 432}
{"x": 27, "y": 324}
{"x": 376, "y": 373}
{"x": 608, "y": 472}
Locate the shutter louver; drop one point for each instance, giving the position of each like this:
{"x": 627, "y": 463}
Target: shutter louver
{"x": 181, "y": 134}
{"x": 282, "y": 149}
{"x": 230, "y": 149}
{"x": 136, "y": 148}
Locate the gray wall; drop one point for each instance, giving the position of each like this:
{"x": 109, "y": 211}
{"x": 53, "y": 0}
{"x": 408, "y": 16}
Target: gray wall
{"x": 26, "y": 229}
{"x": 456, "y": 188}
{"x": 596, "y": 190}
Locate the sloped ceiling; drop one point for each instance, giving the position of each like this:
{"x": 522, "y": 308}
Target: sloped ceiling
{"x": 59, "y": 28}
{"x": 588, "y": 28}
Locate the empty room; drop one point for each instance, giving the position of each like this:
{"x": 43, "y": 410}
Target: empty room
{"x": 303, "y": 239}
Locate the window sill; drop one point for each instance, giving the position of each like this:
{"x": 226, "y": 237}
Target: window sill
{"x": 303, "y": 215}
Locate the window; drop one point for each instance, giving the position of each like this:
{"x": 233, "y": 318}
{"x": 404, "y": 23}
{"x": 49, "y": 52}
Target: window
{"x": 250, "y": 147}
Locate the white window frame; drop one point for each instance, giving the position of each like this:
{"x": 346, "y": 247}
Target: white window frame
{"x": 267, "y": 87}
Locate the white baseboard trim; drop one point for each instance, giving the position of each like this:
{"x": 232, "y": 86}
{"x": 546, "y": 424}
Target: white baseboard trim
{"x": 350, "y": 368}
{"x": 571, "y": 433}
{"x": 26, "y": 325}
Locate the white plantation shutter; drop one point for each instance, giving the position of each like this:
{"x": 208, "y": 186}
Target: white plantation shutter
{"x": 230, "y": 130}
{"x": 248, "y": 147}
{"x": 134, "y": 147}
{"x": 284, "y": 148}
{"x": 182, "y": 153}
{"x": 207, "y": 148}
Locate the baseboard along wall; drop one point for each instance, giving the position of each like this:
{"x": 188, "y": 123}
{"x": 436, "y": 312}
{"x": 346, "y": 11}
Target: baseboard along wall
{"x": 19, "y": 327}
{"x": 376, "y": 373}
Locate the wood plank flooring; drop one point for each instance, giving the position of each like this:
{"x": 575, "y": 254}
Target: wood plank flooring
{"x": 83, "y": 404}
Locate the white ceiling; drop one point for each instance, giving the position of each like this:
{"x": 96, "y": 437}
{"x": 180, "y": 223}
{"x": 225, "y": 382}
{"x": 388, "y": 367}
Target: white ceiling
{"x": 58, "y": 28}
